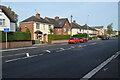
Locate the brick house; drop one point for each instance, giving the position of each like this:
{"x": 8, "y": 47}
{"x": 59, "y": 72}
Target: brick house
{"x": 7, "y": 20}
{"x": 61, "y": 26}
{"x": 39, "y": 27}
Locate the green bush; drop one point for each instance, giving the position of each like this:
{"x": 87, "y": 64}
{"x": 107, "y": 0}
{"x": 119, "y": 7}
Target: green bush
{"x": 15, "y": 36}
{"x": 80, "y": 35}
{"x": 57, "y": 37}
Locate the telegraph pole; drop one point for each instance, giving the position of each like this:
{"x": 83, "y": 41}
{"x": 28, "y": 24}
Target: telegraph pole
{"x": 71, "y": 26}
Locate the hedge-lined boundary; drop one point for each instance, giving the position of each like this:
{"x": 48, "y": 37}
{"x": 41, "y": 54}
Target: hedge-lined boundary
{"x": 57, "y": 37}
{"x": 80, "y": 35}
{"x": 15, "y": 36}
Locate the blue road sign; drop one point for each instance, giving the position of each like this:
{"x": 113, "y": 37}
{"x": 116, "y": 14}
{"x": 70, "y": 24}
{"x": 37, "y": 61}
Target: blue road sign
{"x": 6, "y": 30}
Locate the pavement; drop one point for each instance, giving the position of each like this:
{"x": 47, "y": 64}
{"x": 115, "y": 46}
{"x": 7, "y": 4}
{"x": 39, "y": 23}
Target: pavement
{"x": 99, "y": 58}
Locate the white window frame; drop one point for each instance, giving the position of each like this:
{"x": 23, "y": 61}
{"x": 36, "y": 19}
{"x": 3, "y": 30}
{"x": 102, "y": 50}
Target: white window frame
{"x": 2, "y": 21}
{"x": 64, "y": 29}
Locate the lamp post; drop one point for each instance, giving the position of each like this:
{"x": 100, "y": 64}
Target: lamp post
{"x": 87, "y": 27}
{"x": 71, "y": 26}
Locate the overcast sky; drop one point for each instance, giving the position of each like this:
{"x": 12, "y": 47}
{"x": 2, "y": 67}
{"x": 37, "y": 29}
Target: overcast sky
{"x": 91, "y": 13}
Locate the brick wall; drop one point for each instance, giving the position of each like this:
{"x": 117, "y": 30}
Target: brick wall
{"x": 16, "y": 44}
{"x": 30, "y": 26}
{"x": 59, "y": 41}
{"x": 67, "y": 26}
{"x": 58, "y": 31}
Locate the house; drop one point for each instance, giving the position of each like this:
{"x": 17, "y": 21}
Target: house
{"x": 7, "y": 19}
{"x": 61, "y": 26}
{"x": 89, "y": 30}
{"x": 77, "y": 29}
{"x": 39, "y": 27}
{"x": 100, "y": 29}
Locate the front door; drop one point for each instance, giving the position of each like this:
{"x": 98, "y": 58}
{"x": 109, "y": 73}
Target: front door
{"x": 45, "y": 37}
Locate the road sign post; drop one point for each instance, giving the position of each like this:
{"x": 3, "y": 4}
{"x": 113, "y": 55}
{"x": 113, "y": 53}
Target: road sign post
{"x": 6, "y": 30}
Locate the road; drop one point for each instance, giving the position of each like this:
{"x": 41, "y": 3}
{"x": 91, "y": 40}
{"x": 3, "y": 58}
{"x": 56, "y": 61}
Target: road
{"x": 61, "y": 60}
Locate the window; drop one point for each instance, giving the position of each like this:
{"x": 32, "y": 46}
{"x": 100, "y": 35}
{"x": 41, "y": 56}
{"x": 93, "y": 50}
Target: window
{"x": 2, "y": 22}
{"x": 64, "y": 29}
{"x": 37, "y": 25}
{"x": 69, "y": 29}
{"x": 44, "y": 26}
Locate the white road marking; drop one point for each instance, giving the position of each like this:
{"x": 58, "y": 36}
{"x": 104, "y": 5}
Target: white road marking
{"x": 17, "y": 49}
{"x": 72, "y": 47}
{"x": 62, "y": 48}
{"x": 95, "y": 70}
{"x": 22, "y": 58}
{"x": 93, "y": 43}
{"x": 48, "y": 51}
{"x": 13, "y": 55}
{"x": 27, "y": 54}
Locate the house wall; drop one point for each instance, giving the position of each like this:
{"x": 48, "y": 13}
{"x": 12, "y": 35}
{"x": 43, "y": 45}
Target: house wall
{"x": 58, "y": 31}
{"x": 24, "y": 26}
{"x": 75, "y": 31}
{"x": 67, "y": 26}
{"x": 7, "y": 21}
{"x": 43, "y": 28}
{"x": 12, "y": 27}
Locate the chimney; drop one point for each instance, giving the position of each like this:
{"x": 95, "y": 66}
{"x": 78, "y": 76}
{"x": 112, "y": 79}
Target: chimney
{"x": 38, "y": 15}
{"x": 74, "y": 21}
{"x": 56, "y": 18}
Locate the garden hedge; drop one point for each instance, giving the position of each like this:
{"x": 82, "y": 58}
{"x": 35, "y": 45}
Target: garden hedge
{"x": 80, "y": 35}
{"x": 15, "y": 36}
{"x": 57, "y": 37}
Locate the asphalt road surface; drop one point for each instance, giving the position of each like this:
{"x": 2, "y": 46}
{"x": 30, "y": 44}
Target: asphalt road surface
{"x": 62, "y": 60}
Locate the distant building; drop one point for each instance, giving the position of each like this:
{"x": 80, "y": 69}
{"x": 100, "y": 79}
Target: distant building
{"x": 39, "y": 27}
{"x": 100, "y": 29}
{"x": 77, "y": 29}
{"x": 90, "y": 30}
{"x": 61, "y": 25}
{"x": 7, "y": 20}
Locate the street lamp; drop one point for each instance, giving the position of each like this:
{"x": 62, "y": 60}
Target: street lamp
{"x": 87, "y": 27}
{"x": 71, "y": 26}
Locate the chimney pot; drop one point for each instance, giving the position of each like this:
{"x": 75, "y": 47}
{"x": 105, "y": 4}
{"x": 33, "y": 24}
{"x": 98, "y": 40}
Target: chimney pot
{"x": 56, "y": 18}
{"x": 74, "y": 21}
{"x": 38, "y": 15}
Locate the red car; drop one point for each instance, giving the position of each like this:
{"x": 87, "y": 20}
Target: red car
{"x": 83, "y": 39}
{"x": 73, "y": 40}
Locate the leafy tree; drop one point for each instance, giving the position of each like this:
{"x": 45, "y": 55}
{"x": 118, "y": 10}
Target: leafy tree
{"x": 15, "y": 16}
{"x": 51, "y": 31}
{"x": 110, "y": 29}
{"x": 27, "y": 30}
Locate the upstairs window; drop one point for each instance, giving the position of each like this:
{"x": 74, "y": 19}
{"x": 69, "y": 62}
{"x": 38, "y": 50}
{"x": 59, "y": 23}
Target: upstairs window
{"x": 37, "y": 26}
{"x": 64, "y": 29}
{"x": 44, "y": 26}
{"x": 2, "y": 22}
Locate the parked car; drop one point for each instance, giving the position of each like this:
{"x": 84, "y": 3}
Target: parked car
{"x": 73, "y": 40}
{"x": 105, "y": 38}
{"x": 83, "y": 39}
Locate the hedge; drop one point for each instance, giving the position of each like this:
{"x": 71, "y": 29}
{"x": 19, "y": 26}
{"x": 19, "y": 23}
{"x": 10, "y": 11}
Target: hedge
{"x": 15, "y": 36}
{"x": 57, "y": 37}
{"x": 80, "y": 35}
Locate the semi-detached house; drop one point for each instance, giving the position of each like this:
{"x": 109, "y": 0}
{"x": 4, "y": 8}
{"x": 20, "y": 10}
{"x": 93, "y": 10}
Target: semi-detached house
{"x": 7, "y": 20}
{"x": 61, "y": 25}
{"x": 39, "y": 27}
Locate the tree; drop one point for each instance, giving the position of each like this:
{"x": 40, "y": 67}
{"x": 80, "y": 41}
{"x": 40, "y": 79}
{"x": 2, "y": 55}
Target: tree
{"x": 51, "y": 31}
{"x": 15, "y": 16}
{"x": 110, "y": 29}
{"x": 27, "y": 30}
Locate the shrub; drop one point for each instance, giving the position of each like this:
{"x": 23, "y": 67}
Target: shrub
{"x": 57, "y": 37}
{"x": 80, "y": 35}
{"x": 15, "y": 36}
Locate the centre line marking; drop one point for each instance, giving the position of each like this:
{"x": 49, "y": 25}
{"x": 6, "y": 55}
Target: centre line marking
{"x": 95, "y": 70}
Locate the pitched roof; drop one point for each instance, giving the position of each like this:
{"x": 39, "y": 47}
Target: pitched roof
{"x": 8, "y": 13}
{"x": 98, "y": 27}
{"x": 57, "y": 23}
{"x": 90, "y": 28}
{"x": 75, "y": 25}
{"x": 35, "y": 19}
